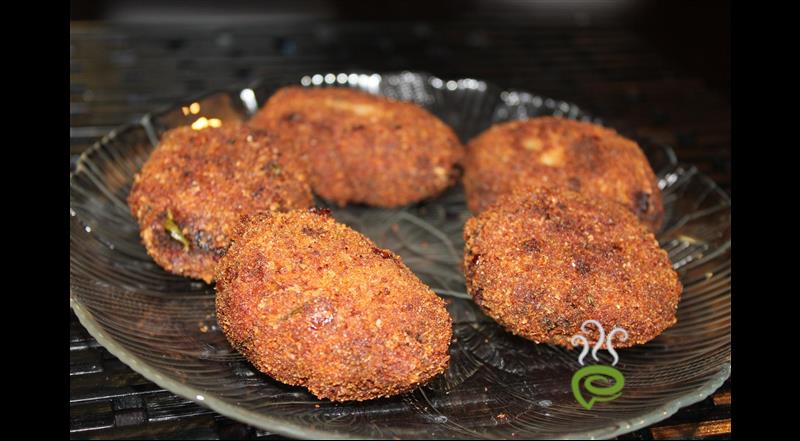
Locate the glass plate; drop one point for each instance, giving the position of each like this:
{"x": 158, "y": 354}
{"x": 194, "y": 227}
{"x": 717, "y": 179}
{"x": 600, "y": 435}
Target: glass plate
{"x": 497, "y": 385}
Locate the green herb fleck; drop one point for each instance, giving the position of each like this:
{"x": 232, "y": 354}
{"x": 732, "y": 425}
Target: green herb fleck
{"x": 293, "y": 312}
{"x": 175, "y": 231}
{"x": 275, "y": 168}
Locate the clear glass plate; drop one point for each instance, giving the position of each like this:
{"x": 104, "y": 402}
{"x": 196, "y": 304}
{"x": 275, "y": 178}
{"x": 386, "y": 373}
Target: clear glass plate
{"x": 497, "y": 385}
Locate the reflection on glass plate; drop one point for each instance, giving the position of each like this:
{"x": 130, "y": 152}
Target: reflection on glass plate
{"x": 497, "y": 385}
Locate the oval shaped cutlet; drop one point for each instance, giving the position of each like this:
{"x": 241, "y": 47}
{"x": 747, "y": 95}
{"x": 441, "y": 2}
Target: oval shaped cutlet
{"x": 543, "y": 261}
{"x": 584, "y": 157}
{"x": 200, "y": 183}
{"x": 365, "y": 149}
{"x": 310, "y": 302}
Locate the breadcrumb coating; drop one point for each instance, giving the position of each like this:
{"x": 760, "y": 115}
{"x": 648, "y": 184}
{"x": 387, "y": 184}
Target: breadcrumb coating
{"x": 365, "y": 149}
{"x": 584, "y": 157}
{"x": 311, "y": 302}
{"x": 542, "y": 261}
{"x": 196, "y": 185}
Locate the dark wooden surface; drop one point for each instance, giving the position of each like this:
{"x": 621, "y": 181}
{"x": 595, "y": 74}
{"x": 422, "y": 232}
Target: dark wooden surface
{"x": 119, "y": 72}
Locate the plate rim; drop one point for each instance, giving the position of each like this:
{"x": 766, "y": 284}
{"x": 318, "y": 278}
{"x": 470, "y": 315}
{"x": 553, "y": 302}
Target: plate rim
{"x": 267, "y": 422}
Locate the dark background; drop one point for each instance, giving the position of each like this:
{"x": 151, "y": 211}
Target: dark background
{"x": 656, "y": 70}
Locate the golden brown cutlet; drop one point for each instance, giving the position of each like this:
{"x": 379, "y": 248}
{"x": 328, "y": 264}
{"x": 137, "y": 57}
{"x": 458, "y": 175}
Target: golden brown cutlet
{"x": 362, "y": 148}
{"x": 310, "y": 302}
{"x": 542, "y": 261}
{"x": 191, "y": 193}
{"x": 588, "y": 158}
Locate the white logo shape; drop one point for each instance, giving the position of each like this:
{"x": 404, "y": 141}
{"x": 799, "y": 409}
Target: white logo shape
{"x": 581, "y": 339}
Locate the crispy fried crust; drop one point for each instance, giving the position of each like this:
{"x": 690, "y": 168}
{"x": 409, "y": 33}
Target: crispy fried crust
{"x": 206, "y": 180}
{"x": 363, "y": 148}
{"x": 543, "y": 261}
{"x": 584, "y": 157}
{"x": 311, "y": 302}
